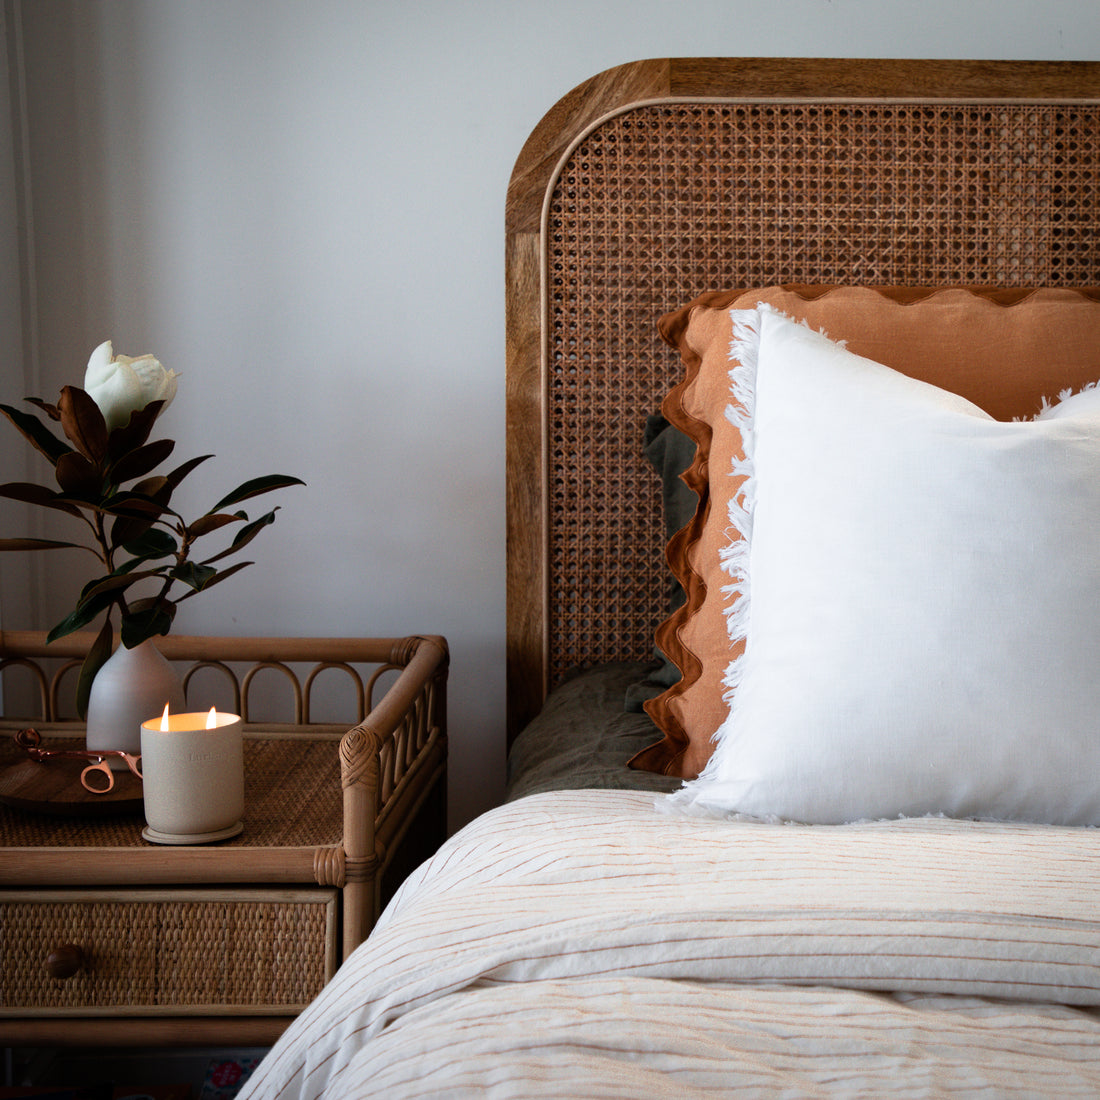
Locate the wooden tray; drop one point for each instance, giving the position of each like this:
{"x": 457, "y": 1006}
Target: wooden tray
{"x": 53, "y": 787}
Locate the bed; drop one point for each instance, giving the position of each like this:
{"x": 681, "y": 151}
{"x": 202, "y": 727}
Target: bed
{"x": 845, "y": 844}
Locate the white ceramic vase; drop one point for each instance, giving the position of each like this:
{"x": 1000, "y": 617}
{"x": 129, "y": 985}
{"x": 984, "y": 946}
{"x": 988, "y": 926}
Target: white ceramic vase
{"x": 131, "y": 686}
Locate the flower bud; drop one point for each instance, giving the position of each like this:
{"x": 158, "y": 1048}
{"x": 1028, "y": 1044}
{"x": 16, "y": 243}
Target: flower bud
{"x": 120, "y": 385}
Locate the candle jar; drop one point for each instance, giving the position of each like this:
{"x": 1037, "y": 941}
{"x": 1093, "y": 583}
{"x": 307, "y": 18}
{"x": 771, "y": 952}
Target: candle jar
{"x": 193, "y": 777}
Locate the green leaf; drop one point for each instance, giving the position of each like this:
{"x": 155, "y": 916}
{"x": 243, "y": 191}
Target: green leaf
{"x": 244, "y": 536}
{"x": 83, "y": 423}
{"x": 36, "y": 433}
{"x": 139, "y": 462}
{"x": 85, "y": 612}
{"x": 194, "y": 575}
{"x": 40, "y": 544}
{"x": 133, "y": 563}
{"x": 113, "y": 584}
{"x": 255, "y": 488}
{"x": 147, "y": 619}
{"x": 223, "y": 574}
{"x": 129, "y": 529}
{"x": 152, "y": 543}
{"x": 29, "y": 493}
{"x": 103, "y": 591}
{"x": 96, "y": 657}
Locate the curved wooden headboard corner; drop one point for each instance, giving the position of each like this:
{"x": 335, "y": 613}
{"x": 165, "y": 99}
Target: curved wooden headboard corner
{"x": 587, "y": 274}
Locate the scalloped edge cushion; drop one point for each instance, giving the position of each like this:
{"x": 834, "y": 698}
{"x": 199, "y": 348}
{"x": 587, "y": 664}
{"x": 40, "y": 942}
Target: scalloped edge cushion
{"x": 918, "y": 585}
{"x": 991, "y": 346}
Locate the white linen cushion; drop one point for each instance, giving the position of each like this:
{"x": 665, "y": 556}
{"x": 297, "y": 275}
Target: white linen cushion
{"x": 922, "y": 619}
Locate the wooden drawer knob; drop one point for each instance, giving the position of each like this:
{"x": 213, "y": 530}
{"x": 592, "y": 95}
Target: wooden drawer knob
{"x": 64, "y": 961}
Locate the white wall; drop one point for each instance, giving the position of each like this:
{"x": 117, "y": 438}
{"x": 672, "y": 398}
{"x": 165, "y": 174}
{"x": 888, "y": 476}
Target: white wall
{"x": 298, "y": 204}
{"x": 15, "y": 571}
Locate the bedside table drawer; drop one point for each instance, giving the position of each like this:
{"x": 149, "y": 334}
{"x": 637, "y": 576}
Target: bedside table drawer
{"x": 165, "y": 951}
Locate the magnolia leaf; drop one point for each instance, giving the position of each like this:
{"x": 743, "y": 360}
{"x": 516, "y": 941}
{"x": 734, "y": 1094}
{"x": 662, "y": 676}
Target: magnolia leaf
{"x": 134, "y": 505}
{"x": 40, "y": 544}
{"x": 83, "y": 423}
{"x": 180, "y": 472}
{"x": 144, "y": 504}
{"x": 133, "y": 563}
{"x": 84, "y": 613}
{"x": 151, "y": 486}
{"x": 244, "y": 536}
{"x": 121, "y": 504}
{"x": 148, "y": 544}
{"x": 140, "y": 461}
{"x": 157, "y": 489}
{"x": 36, "y": 433}
{"x": 127, "y": 530}
{"x": 51, "y": 411}
{"x": 205, "y": 524}
{"x": 95, "y": 582}
{"x": 255, "y": 487}
{"x": 196, "y": 576}
{"x": 96, "y": 658}
{"x": 146, "y": 619}
{"x": 223, "y": 574}
{"x": 29, "y": 493}
{"x": 112, "y": 585}
{"x": 78, "y": 477}
{"x": 132, "y": 435}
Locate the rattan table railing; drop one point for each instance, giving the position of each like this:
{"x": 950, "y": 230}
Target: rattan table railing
{"x": 331, "y": 812}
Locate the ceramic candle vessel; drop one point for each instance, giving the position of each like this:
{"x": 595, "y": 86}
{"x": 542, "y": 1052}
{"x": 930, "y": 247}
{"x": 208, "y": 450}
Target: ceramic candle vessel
{"x": 193, "y": 778}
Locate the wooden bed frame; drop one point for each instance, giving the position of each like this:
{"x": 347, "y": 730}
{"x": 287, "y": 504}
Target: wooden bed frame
{"x": 657, "y": 181}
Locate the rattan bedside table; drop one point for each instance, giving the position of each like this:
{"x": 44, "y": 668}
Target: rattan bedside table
{"x": 106, "y": 938}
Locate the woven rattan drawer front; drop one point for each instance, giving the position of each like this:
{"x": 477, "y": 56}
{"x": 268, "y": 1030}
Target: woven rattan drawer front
{"x": 143, "y": 951}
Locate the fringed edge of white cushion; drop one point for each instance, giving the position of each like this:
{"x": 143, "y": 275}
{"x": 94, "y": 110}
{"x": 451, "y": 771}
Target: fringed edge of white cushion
{"x": 735, "y": 555}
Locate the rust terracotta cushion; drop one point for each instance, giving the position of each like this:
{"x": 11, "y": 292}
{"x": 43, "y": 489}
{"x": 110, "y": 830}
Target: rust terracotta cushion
{"x": 1006, "y": 350}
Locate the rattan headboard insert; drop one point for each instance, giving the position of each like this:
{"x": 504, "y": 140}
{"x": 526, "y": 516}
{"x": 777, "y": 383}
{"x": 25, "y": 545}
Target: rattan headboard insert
{"x": 650, "y": 195}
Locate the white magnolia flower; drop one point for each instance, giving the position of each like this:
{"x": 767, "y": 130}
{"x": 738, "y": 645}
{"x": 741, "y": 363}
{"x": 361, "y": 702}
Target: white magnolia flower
{"x": 120, "y": 385}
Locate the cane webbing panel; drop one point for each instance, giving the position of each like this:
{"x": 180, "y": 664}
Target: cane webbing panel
{"x": 291, "y": 796}
{"x": 664, "y": 202}
{"x": 259, "y": 954}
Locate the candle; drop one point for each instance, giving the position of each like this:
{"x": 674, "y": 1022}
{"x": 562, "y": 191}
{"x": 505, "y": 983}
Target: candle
{"x": 193, "y": 776}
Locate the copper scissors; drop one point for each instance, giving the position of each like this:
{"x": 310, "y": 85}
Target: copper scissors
{"x": 31, "y": 739}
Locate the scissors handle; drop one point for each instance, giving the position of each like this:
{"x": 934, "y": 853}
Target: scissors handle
{"x": 100, "y": 786}
{"x": 30, "y": 740}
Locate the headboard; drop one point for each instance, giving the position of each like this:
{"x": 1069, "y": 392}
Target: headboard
{"x": 656, "y": 181}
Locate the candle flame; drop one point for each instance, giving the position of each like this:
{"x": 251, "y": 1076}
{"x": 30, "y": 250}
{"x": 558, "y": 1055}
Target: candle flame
{"x": 164, "y": 719}
{"x": 211, "y": 719}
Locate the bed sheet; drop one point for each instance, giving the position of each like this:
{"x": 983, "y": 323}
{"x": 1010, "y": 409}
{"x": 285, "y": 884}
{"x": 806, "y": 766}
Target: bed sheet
{"x": 585, "y": 944}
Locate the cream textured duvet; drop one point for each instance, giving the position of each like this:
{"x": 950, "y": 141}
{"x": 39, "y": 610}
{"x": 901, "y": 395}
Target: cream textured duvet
{"x": 584, "y": 944}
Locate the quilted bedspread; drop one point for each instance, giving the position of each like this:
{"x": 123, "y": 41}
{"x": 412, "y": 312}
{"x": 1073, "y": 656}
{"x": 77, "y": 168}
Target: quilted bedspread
{"x": 586, "y": 944}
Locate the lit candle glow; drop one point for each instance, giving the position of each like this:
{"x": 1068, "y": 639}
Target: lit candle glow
{"x": 211, "y": 720}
